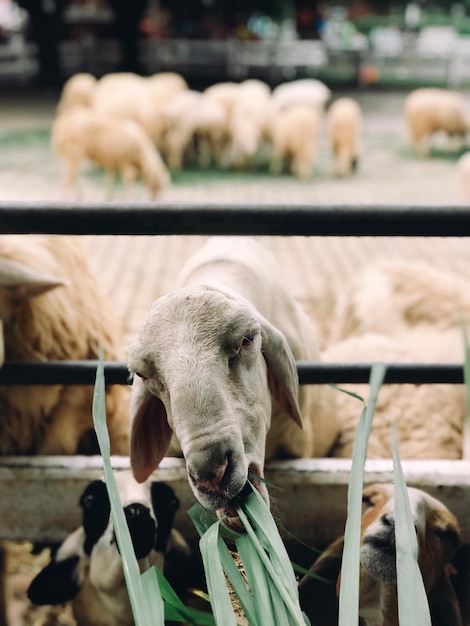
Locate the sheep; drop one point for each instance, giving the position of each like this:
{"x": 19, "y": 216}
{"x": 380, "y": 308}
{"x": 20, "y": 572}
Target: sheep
{"x": 193, "y": 121}
{"x": 463, "y": 177}
{"x": 293, "y": 134}
{"x": 53, "y": 308}
{"x": 214, "y": 363}
{"x": 127, "y": 96}
{"x": 394, "y": 295}
{"x": 77, "y": 91}
{"x": 304, "y": 91}
{"x": 438, "y": 537}
{"x": 429, "y": 110}
{"x": 429, "y": 417}
{"x": 120, "y": 146}
{"x": 86, "y": 569}
{"x": 344, "y": 122}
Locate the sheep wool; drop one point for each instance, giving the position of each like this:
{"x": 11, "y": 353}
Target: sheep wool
{"x": 53, "y": 308}
{"x": 344, "y": 123}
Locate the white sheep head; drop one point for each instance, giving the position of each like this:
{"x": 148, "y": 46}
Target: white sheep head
{"x": 207, "y": 366}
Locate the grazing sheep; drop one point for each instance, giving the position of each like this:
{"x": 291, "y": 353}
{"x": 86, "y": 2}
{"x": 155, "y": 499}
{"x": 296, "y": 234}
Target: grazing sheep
{"x": 429, "y": 417}
{"x": 391, "y": 296}
{"x": 344, "y": 122}
{"x": 304, "y": 91}
{"x": 52, "y": 308}
{"x": 293, "y": 135}
{"x": 463, "y": 176}
{"x": 193, "y": 122}
{"x": 87, "y": 569}
{"x": 119, "y": 146}
{"x": 438, "y": 537}
{"x": 77, "y": 91}
{"x": 214, "y": 363}
{"x": 430, "y": 110}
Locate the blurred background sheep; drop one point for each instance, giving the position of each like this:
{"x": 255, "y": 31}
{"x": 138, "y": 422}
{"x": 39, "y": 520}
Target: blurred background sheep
{"x": 344, "y": 126}
{"x": 119, "y": 146}
{"x": 431, "y": 110}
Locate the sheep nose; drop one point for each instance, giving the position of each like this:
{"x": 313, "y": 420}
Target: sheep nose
{"x": 388, "y": 519}
{"x": 209, "y": 479}
{"x": 136, "y": 510}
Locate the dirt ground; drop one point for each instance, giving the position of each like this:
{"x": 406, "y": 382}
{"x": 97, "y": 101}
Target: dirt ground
{"x": 134, "y": 270}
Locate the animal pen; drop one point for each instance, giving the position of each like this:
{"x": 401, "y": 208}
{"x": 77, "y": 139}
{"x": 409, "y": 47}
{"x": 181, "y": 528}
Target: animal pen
{"x": 39, "y": 495}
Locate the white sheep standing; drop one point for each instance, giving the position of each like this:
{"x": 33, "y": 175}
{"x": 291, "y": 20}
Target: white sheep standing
{"x": 438, "y": 537}
{"x": 225, "y": 94}
{"x": 303, "y": 91}
{"x": 214, "y": 363}
{"x": 77, "y": 91}
{"x": 119, "y": 146}
{"x": 344, "y": 126}
{"x": 53, "y": 308}
{"x": 87, "y": 569}
{"x": 293, "y": 137}
{"x": 430, "y": 110}
{"x": 463, "y": 177}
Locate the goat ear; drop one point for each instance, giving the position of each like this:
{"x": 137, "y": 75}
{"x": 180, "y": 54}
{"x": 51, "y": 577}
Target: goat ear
{"x": 317, "y": 589}
{"x": 56, "y": 583}
{"x": 443, "y": 603}
{"x": 282, "y": 372}
{"x": 150, "y": 431}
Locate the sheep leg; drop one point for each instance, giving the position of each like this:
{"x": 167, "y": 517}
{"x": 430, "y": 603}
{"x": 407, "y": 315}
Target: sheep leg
{"x": 70, "y": 179}
{"x": 129, "y": 176}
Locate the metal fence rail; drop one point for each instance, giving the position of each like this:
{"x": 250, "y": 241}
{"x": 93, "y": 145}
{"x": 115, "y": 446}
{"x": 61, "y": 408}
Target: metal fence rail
{"x": 146, "y": 218}
{"x": 116, "y": 373}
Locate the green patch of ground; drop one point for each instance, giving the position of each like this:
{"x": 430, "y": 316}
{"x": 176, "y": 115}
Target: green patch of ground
{"x": 36, "y": 137}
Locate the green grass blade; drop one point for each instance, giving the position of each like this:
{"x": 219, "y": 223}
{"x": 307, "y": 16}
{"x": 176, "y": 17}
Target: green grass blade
{"x": 257, "y": 579}
{"x": 413, "y": 605}
{"x": 145, "y": 612}
{"x": 220, "y": 599}
{"x": 349, "y": 593}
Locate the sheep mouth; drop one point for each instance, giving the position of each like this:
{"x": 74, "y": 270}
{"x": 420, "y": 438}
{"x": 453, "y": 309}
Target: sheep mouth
{"x": 228, "y": 514}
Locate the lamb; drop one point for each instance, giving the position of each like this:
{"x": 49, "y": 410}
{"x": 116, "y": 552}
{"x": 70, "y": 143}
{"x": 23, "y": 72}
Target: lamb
{"x": 77, "y": 91}
{"x": 344, "y": 122}
{"x": 394, "y": 295}
{"x": 429, "y": 417}
{"x": 429, "y": 110}
{"x": 53, "y": 308}
{"x": 119, "y": 146}
{"x": 304, "y": 91}
{"x": 438, "y": 537}
{"x": 463, "y": 177}
{"x": 87, "y": 570}
{"x": 214, "y": 363}
{"x": 293, "y": 134}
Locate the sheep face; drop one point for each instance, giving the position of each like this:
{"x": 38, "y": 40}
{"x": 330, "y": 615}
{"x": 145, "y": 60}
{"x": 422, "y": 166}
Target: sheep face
{"x": 438, "y": 538}
{"x": 87, "y": 567}
{"x": 436, "y": 529}
{"x": 206, "y": 363}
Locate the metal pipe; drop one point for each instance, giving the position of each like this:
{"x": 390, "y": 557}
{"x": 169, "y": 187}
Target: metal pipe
{"x": 116, "y": 373}
{"x": 145, "y": 218}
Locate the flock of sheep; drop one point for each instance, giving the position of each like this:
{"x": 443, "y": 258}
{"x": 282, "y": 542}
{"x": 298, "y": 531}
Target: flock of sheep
{"x": 144, "y": 127}
{"x": 214, "y": 380}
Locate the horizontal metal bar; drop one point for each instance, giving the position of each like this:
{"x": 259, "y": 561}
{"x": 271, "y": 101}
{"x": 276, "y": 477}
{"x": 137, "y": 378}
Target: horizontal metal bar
{"x": 116, "y": 373}
{"x": 146, "y": 218}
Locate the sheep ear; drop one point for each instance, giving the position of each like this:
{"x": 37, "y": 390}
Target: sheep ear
{"x": 150, "y": 431}
{"x": 23, "y": 282}
{"x": 56, "y": 583}
{"x": 282, "y": 372}
{"x": 443, "y": 603}
{"x": 317, "y": 589}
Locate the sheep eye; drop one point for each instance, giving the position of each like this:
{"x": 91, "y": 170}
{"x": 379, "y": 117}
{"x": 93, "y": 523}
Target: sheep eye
{"x": 248, "y": 340}
{"x": 367, "y": 501}
{"x": 141, "y": 376}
